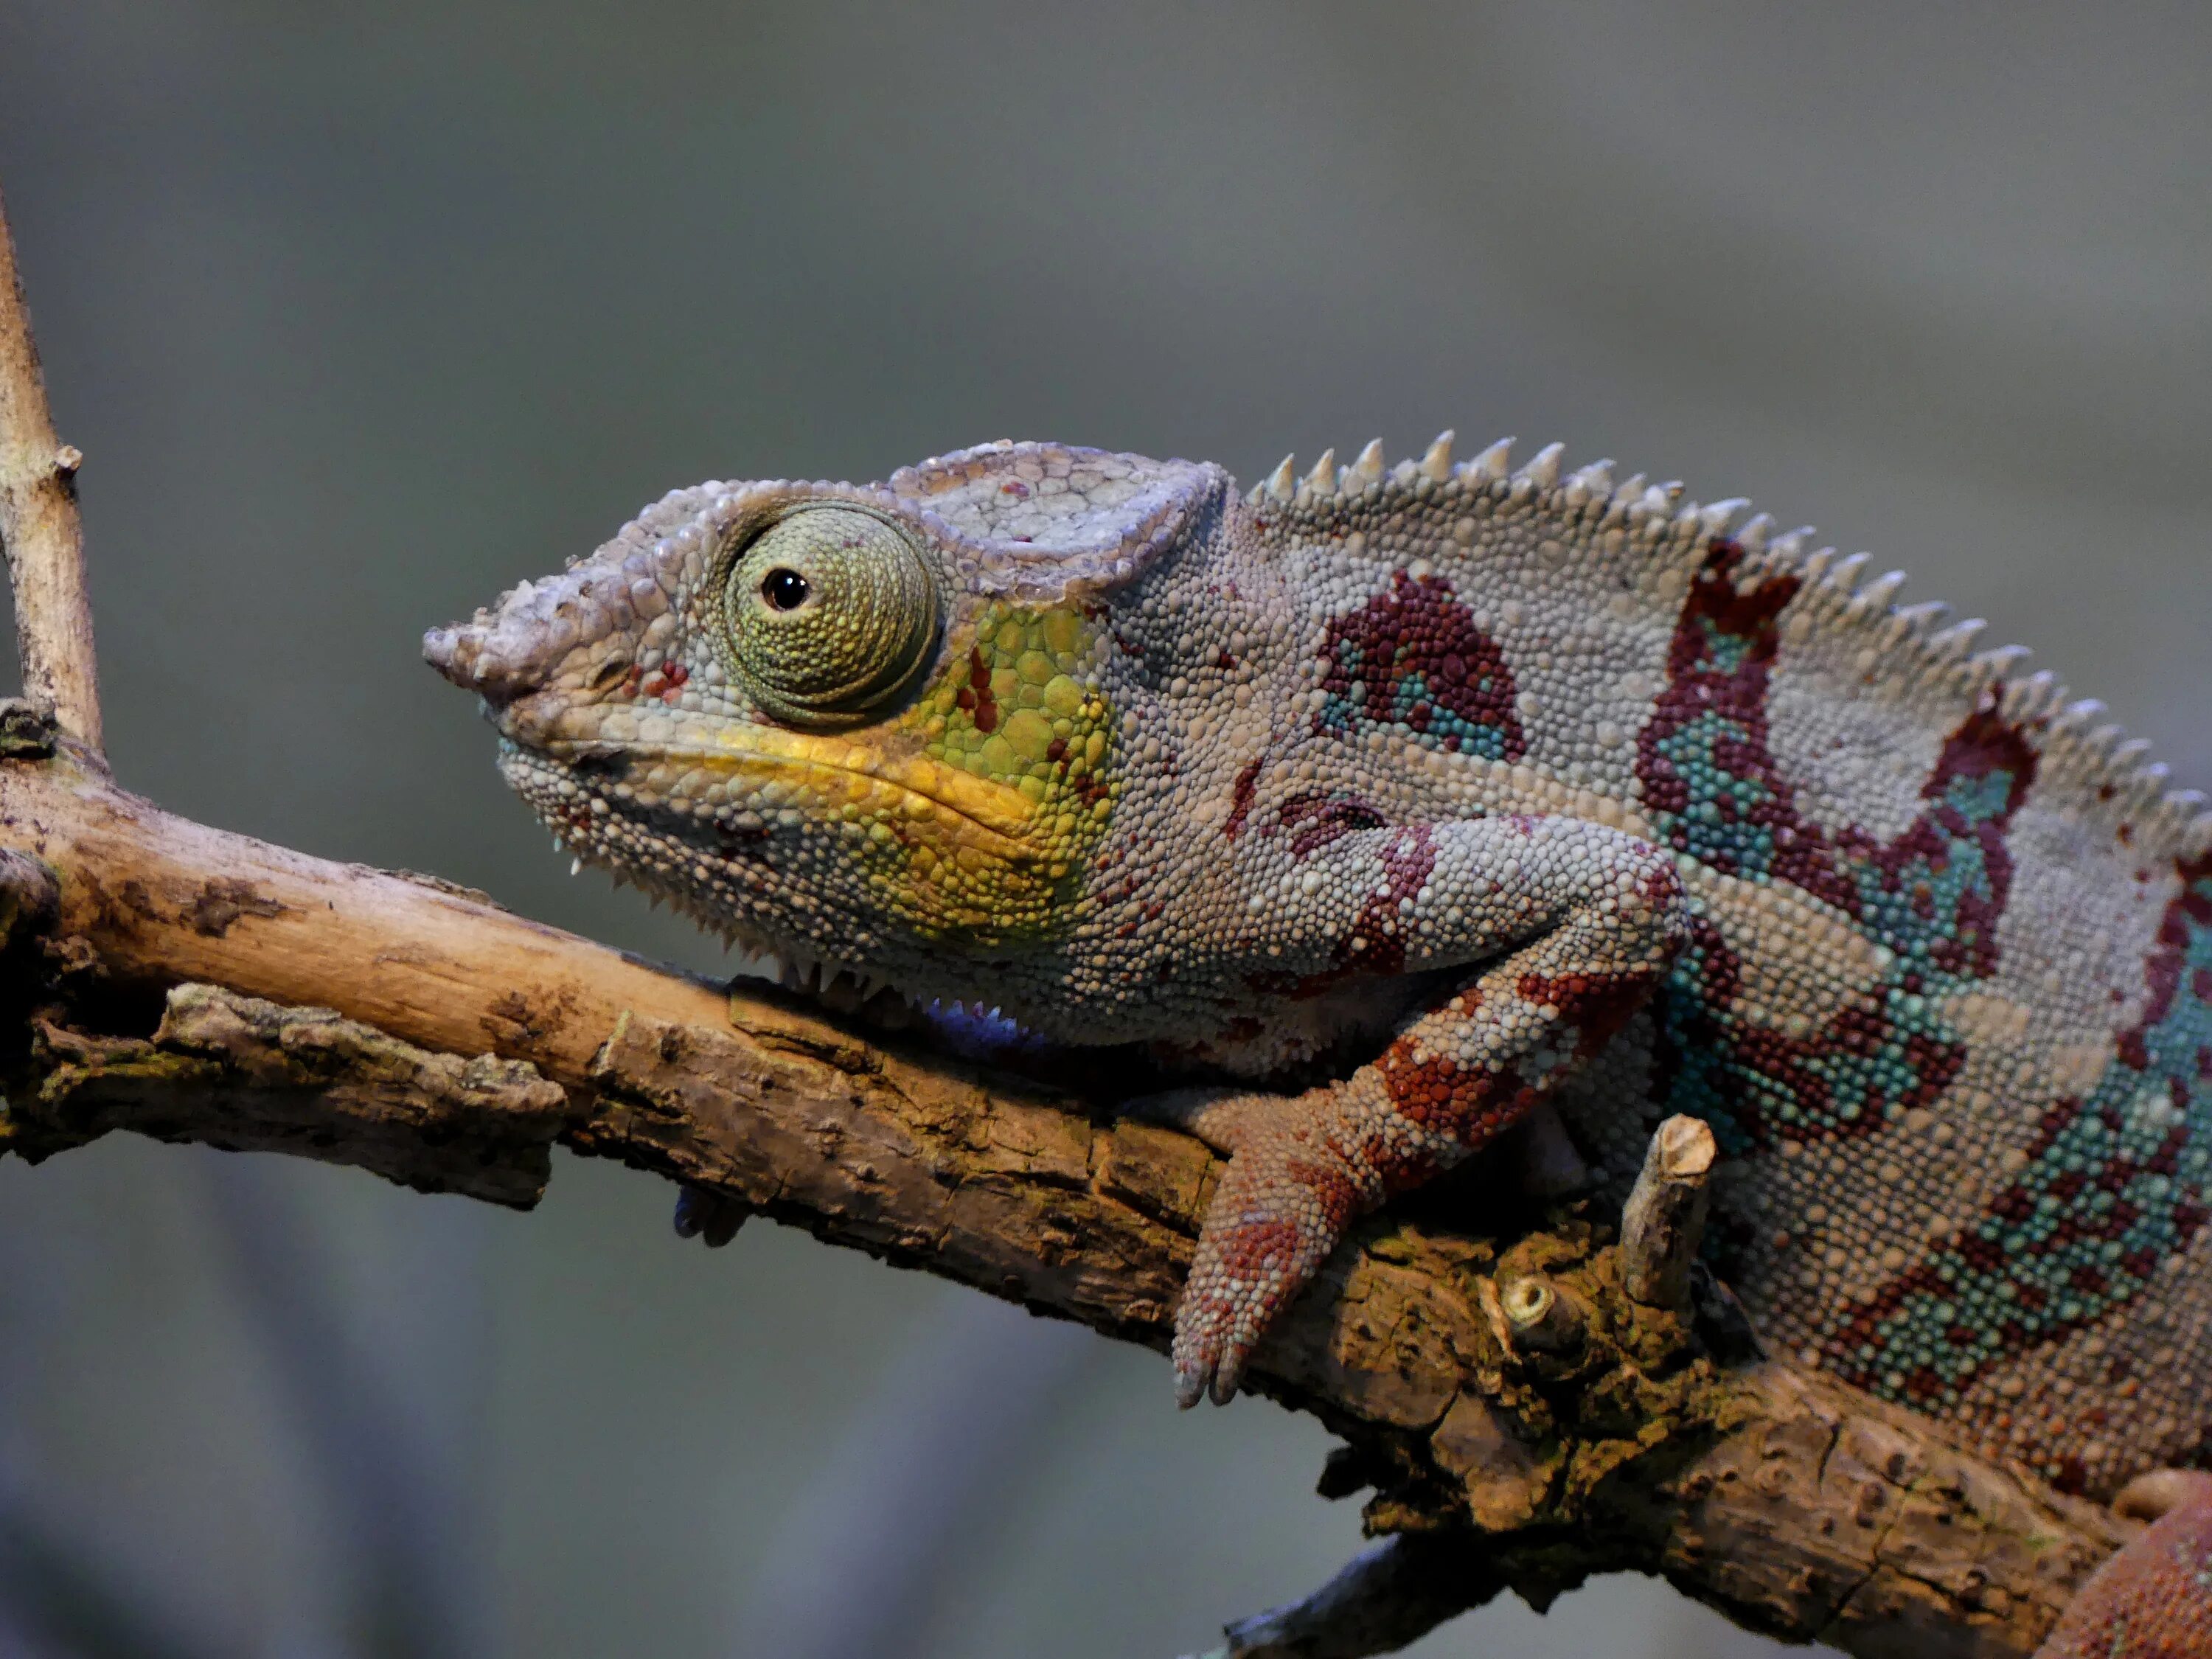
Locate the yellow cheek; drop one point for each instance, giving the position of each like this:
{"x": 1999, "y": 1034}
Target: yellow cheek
{"x": 1012, "y": 723}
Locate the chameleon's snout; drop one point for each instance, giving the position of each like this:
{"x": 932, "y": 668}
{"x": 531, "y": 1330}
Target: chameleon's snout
{"x": 518, "y": 645}
{"x": 461, "y": 654}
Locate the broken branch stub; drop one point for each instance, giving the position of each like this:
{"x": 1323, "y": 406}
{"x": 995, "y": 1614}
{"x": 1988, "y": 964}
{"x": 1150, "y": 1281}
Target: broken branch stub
{"x": 1663, "y": 1223}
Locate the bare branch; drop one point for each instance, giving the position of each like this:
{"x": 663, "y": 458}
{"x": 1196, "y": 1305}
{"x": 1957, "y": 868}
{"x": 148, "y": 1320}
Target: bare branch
{"x": 1508, "y": 1400}
{"x": 1384, "y": 1599}
{"x": 38, "y": 527}
{"x": 1664, "y": 1219}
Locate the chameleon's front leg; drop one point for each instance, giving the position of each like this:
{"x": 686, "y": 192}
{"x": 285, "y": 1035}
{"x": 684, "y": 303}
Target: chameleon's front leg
{"x": 1578, "y": 923}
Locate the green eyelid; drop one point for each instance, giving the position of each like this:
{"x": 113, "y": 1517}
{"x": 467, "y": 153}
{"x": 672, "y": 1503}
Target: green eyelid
{"x": 827, "y": 613}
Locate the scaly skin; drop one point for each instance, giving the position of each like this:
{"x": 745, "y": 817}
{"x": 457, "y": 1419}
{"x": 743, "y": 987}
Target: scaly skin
{"x": 1416, "y": 797}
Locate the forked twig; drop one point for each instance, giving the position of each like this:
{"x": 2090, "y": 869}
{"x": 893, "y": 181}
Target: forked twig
{"x": 38, "y": 527}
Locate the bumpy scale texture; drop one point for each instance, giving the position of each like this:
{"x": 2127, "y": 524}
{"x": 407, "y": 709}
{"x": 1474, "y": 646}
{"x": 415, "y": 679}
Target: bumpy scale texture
{"x": 1418, "y": 798}
{"x": 2154, "y": 1600}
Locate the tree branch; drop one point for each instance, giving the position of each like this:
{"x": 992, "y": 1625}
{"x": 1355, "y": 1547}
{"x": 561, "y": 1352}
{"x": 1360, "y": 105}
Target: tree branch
{"x": 1523, "y": 1419}
{"x": 39, "y": 526}
{"x": 1508, "y": 1402}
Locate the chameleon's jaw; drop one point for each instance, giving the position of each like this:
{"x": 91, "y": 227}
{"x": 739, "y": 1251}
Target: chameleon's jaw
{"x": 764, "y": 834}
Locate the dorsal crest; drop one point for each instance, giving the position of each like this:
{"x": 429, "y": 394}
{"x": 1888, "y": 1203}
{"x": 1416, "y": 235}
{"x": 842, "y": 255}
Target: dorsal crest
{"x": 1657, "y": 538}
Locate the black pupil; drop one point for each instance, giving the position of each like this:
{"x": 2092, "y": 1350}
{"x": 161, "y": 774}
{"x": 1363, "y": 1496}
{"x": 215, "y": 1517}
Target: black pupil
{"x": 786, "y": 590}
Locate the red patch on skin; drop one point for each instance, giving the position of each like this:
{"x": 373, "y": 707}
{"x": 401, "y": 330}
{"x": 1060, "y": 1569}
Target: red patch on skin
{"x": 1420, "y": 631}
{"x": 1240, "y": 796}
{"x": 1597, "y": 1005}
{"x": 2018, "y": 1201}
{"x": 1249, "y": 1248}
{"x": 977, "y": 696}
{"x": 1314, "y": 821}
{"x": 1703, "y": 680}
{"x": 1468, "y": 1104}
{"x": 1374, "y": 946}
{"x": 1339, "y": 1199}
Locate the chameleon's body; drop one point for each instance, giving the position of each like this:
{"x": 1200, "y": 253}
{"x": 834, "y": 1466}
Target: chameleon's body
{"x": 1459, "y": 791}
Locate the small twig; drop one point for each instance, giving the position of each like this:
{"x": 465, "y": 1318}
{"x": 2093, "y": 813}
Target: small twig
{"x": 39, "y": 526}
{"x": 1664, "y": 1220}
{"x": 1384, "y": 1599}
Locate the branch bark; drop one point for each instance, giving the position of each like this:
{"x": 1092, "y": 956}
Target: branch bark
{"x": 38, "y": 525}
{"x": 1522, "y": 1420}
{"x": 1508, "y": 1400}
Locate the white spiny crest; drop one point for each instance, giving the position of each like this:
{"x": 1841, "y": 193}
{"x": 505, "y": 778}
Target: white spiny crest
{"x": 1543, "y": 468}
{"x": 2035, "y": 697}
{"x": 1493, "y": 463}
{"x": 1922, "y": 619}
{"x": 1713, "y": 517}
{"x": 1914, "y": 647}
{"x": 1368, "y": 468}
{"x": 1594, "y": 480}
{"x": 1874, "y": 599}
{"x": 1843, "y": 574}
{"x": 2077, "y": 717}
{"x": 1957, "y": 640}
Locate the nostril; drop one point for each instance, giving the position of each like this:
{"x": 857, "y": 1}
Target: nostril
{"x": 462, "y": 655}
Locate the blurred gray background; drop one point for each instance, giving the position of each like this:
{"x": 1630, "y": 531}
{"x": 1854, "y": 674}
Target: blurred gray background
{"x": 361, "y": 314}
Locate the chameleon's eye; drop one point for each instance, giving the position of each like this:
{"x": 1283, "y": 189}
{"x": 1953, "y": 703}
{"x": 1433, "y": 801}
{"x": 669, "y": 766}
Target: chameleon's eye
{"x": 827, "y": 613}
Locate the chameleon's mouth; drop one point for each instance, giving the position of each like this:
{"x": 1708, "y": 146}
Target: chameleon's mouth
{"x": 767, "y": 769}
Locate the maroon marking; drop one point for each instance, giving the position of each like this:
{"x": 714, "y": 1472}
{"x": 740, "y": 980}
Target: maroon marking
{"x": 1316, "y": 820}
{"x": 1373, "y": 947}
{"x": 1468, "y": 1104}
{"x": 2018, "y": 1201}
{"x": 1701, "y": 683}
{"x": 978, "y": 693}
{"x": 1597, "y": 1005}
{"x": 1420, "y": 628}
{"x": 1240, "y": 796}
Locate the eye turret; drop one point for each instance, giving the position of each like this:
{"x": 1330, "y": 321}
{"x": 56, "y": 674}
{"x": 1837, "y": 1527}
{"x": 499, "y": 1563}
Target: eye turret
{"x": 827, "y": 613}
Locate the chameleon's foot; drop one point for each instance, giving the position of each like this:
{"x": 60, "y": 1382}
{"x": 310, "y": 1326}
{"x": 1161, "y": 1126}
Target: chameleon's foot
{"x": 1283, "y": 1203}
{"x": 708, "y": 1216}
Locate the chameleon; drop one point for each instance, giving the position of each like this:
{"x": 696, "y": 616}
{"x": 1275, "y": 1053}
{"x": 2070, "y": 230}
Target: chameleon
{"x": 1396, "y": 805}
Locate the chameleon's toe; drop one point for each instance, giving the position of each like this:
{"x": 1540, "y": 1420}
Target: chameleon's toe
{"x": 1247, "y": 1271}
{"x": 710, "y": 1217}
{"x": 1215, "y": 1329}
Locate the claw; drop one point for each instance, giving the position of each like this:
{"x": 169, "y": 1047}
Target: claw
{"x": 709, "y": 1217}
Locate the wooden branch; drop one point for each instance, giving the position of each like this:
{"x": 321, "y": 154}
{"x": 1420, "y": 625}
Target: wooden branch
{"x": 1664, "y": 1219}
{"x": 1508, "y": 1400}
{"x": 38, "y": 527}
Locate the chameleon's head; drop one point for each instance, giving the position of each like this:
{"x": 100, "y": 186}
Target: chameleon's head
{"x": 864, "y": 724}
